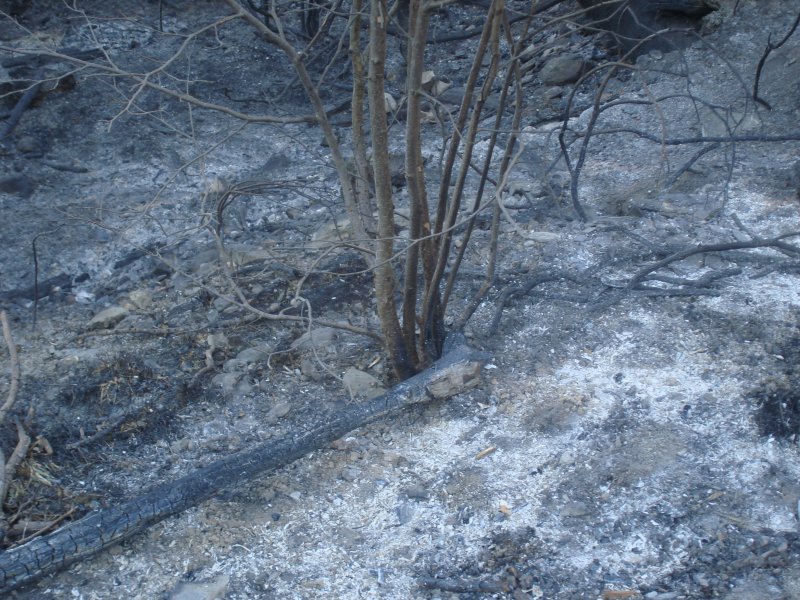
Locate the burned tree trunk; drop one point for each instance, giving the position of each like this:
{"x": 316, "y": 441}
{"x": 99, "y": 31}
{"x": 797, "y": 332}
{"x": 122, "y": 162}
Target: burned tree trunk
{"x": 456, "y": 372}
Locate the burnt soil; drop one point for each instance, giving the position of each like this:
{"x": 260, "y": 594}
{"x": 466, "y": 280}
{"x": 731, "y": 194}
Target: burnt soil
{"x": 626, "y": 442}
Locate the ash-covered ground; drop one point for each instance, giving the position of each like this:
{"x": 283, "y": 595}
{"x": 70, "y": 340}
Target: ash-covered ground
{"x": 628, "y": 441}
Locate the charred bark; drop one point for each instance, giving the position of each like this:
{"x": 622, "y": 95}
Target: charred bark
{"x": 456, "y": 372}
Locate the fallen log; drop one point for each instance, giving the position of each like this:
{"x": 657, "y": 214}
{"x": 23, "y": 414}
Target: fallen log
{"x": 459, "y": 370}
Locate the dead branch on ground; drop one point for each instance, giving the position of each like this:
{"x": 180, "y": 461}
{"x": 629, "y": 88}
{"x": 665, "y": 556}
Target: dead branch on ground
{"x": 457, "y": 372}
{"x": 600, "y": 293}
{"x": 762, "y": 61}
{"x": 8, "y": 469}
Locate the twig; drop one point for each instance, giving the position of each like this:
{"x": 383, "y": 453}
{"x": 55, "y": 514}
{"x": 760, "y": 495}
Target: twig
{"x": 23, "y": 443}
{"x": 7, "y": 468}
{"x": 99, "y": 434}
{"x": 154, "y": 331}
{"x": 688, "y": 164}
{"x": 767, "y": 51}
{"x": 519, "y": 290}
{"x": 783, "y": 267}
{"x": 12, "y": 352}
{"x": 463, "y": 586}
{"x": 45, "y": 527}
{"x": 700, "y": 282}
{"x": 758, "y": 243}
{"x": 16, "y": 113}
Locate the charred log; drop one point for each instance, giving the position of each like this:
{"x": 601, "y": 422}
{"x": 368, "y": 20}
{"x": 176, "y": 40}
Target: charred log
{"x": 456, "y": 372}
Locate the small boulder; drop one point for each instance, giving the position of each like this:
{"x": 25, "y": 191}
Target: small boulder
{"x": 363, "y": 385}
{"x": 187, "y": 590}
{"x": 18, "y": 185}
{"x": 108, "y": 318}
{"x": 319, "y": 338}
{"x": 562, "y": 69}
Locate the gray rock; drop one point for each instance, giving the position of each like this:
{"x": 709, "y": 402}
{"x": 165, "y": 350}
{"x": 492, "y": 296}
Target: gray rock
{"x": 350, "y": 537}
{"x": 316, "y": 338}
{"x": 227, "y": 381}
{"x": 18, "y": 185}
{"x": 417, "y": 492}
{"x": 405, "y": 512}
{"x": 186, "y": 590}
{"x": 278, "y": 411}
{"x": 108, "y": 318}
{"x": 350, "y": 473}
{"x": 309, "y": 368}
{"x": 567, "y": 458}
{"x": 575, "y": 508}
{"x": 716, "y": 123}
{"x": 254, "y": 355}
{"x": 140, "y": 299}
{"x": 453, "y": 95}
{"x": 562, "y": 69}
{"x": 217, "y": 341}
{"x": 362, "y": 384}
{"x": 221, "y": 304}
{"x": 27, "y": 144}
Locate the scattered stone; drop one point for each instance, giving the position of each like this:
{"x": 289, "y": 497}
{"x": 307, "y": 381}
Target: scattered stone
{"x": 309, "y": 369}
{"x": 319, "y": 338}
{"x": 389, "y": 102}
{"x": 362, "y": 385}
{"x": 562, "y": 69}
{"x": 350, "y": 474}
{"x": 186, "y": 590}
{"x": 417, "y": 492}
{"x": 254, "y": 355}
{"x": 18, "y": 185}
{"x": 405, "y": 512}
{"x": 350, "y": 537}
{"x": 140, "y": 299}
{"x": 108, "y": 318}
{"x": 576, "y": 508}
{"x": 525, "y": 187}
{"x": 217, "y": 341}
{"x": 716, "y": 123}
{"x": 279, "y": 410}
{"x": 566, "y": 458}
{"x": 27, "y": 144}
{"x": 227, "y": 381}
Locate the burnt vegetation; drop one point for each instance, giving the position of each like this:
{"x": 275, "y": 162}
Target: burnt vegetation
{"x": 417, "y": 172}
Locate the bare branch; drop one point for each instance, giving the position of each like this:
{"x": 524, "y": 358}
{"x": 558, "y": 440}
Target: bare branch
{"x": 15, "y": 371}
